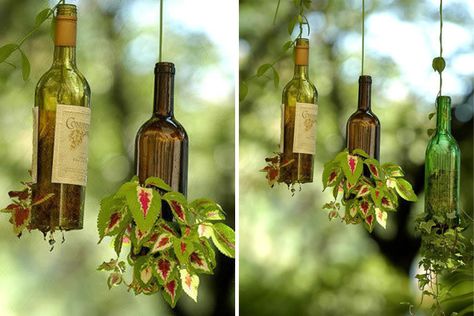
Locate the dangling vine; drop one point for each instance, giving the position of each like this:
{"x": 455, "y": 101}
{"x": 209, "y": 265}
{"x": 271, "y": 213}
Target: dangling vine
{"x": 446, "y": 253}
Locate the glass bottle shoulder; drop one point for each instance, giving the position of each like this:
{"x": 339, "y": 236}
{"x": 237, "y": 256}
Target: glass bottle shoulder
{"x": 163, "y": 127}
{"x": 443, "y": 144}
{"x": 65, "y": 85}
{"x": 299, "y": 90}
{"x": 364, "y": 117}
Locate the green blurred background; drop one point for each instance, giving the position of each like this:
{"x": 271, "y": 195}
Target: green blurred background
{"x": 292, "y": 260}
{"x": 117, "y": 49}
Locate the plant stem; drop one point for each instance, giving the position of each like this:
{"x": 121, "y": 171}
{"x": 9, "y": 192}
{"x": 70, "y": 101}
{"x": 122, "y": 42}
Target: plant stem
{"x": 363, "y": 35}
{"x": 160, "y": 57}
{"x": 440, "y": 42}
{"x": 276, "y": 12}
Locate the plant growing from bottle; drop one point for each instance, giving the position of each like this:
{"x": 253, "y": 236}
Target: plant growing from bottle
{"x": 165, "y": 256}
{"x": 364, "y": 197}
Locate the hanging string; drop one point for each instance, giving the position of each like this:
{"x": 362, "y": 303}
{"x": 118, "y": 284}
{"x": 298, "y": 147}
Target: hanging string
{"x": 363, "y": 31}
{"x": 160, "y": 56}
{"x": 440, "y": 42}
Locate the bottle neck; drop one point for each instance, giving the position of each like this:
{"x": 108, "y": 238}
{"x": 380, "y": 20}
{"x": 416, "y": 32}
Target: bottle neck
{"x": 64, "y": 56}
{"x": 364, "y": 102}
{"x": 301, "y": 72}
{"x": 443, "y": 116}
{"x": 163, "y": 103}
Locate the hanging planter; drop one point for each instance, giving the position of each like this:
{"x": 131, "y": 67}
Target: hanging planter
{"x": 364, "y": 190}
{"x": 293, "y": 164}
{"x": 54, "y": 200}
{"x": 169, "y": 237}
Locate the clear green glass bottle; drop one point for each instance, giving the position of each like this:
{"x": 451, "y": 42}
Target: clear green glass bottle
{"x": 61, "y": 126}
{"x": 298, "y": 130}
{"x": 442, "y": 165}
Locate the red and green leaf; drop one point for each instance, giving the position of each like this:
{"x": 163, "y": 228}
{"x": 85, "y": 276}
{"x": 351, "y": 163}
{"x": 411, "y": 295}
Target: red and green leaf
{"x": 364, "y": 208}
{"x": 363, "y": 191}
{"x": 369, "y": 222}
{"x": 198, "y": 261}
{"x": 171, "y": 292}
{"x": 272, "y": 174}
{"x": 405, "y": 190}
{"x": 182, "y": 248}
{"x": 353, "y": 208}
{"x": 352, "y": 168}
{"x": 145, "y": 206}
{"x": 387, "y": 204}
{"x": 21, "y": 218}
{"x": 224, "y": 239}
{"x": 163, "y": 267}
{"x": 163, "y": 242}
{"x": 178, "y": 211}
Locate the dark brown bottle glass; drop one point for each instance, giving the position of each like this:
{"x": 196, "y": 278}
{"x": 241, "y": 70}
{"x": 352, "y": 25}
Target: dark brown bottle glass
{"x": 161, "y": 146}
{"x": 363, "y": 127}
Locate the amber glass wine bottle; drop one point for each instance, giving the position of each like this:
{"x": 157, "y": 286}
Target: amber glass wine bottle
{"x": 161, "y": 146}
{"x": 442, "y": 168}
{"x": 363, "y": 127}
{"x": 298, "y": 117}
{"x": 61, "y": 126}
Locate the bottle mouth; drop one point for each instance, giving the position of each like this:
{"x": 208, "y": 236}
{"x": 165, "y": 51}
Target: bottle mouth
{"x": 444, "y": 99}
{"x": 66, "y": 10}
{"x": 164, "y": 67}
{"x": 302, "y": 43}
{"x": 365, "y": 79}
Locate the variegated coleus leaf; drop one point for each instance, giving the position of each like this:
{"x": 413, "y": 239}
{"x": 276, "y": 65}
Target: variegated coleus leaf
{"x": 182, "y": 249}
{"x": 387, "y": 204}
{"x": 369, "y": 222}
{"x": 139, "y": 237}
{"x": 204, "y": 247}
{"x": 178, "y": 205}
{"x": 115, "y": 278}
{"x": 171, "y": 291}
{"x": 364, "y": 208}
{"x": 353, "y": 208}
{"x": 205, "y": 230}
{"x": 376, "y": 195}
{"x": 381, "y": 217}
{"x": 393, "y": 170}
{"x": 112, "y": 216}
{"x": 142, "y": 270}
{"x": 374, "y": 168}
{"x": 331, "y": 172}
{"x": 224, "y": 239}
{"x": 199, "y": 262}
{"x": 189, "y": 283}
{"x": 20, "y": 218}
{"x": 208, "y": 209}
{"x": 163, "y": 242}
{"x": 158, "y": 183}
{"x": 145, "y": 206}
{"x": 363, "y": 191}
{"x": 167, "y": 228}
{"x": 272, "y": 174}
{"x": 352, "y": 166}
{"x": 22, "y": 195}
{"x": 405, "y": 190}
{"x": 163, "y": 268}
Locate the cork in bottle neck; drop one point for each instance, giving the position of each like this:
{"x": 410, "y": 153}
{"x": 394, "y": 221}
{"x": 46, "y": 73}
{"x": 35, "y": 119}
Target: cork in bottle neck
{"x": 163, "y": 103}
{"x": 301, "y": 52}
{"x": 365, "y": 85}
{"x": 66, "y": 24}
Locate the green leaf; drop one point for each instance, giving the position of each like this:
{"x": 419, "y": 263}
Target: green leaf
{"x": 126, "y": 188}
{"x": 224, "y": 238}
{"x": 145, "y": 206}
{"x": 208, "y": 209}
{"x": 291, "y": 25}
{"x": 263, "y": 69}
{"x": 158, "y": 183}
{"x": 25, "y": 66}
{"x": 438, "y": 64}
{"x": 118, "y": 241}
{"x": 243, "y": 90}
{"x": 115, "y": 278}
{"x": 427, "y": 226}
{"x": 307, "y": 4}
{"x": 171, "y": 292}
{"x": 6, "y": 51}
{"x": 106, "y": 223}
{"x": 330, "y": 173}
{"x": 431, "y": 115}
{"x": 430, "y": 131}
{"x": 405, "y": 190}
{"x": 276, "y": 78}
{"x": 175, "y": 196}
{"x": 183, "y": 249}
{"x": 287, "y": 45}
{"x": 360, "y": 152}
{"x": 42, "y": 16}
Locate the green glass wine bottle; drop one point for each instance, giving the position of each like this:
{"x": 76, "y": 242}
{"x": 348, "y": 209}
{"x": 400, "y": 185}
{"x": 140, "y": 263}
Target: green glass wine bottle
{"x": 363, "y": 126}
{"x": 298, "y": 117}
{"x": 442, "y": 165}
{"x": 161, "y": 146}
{"x": 61, "y": 127}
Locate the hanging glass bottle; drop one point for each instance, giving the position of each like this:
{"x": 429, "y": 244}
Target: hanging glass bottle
{"x": 442, "y": 165}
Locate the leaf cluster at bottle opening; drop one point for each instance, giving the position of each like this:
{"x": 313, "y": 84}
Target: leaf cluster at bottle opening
{"x": 366, "y": 189}
{"x": 166, "y": 256}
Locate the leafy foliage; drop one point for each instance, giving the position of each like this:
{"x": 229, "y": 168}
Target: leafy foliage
{"x": 165, "y": 256}
{"x": 366, "y": 189}
{"x": 273, "y": 170}
{"x": 20, "y": 207}
{"x": 8, "y": 49}
{"x": 268, "y": 71}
